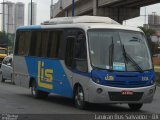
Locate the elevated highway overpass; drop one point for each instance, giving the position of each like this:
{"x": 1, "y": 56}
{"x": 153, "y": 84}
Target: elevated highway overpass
{"x": 118, "y": 10}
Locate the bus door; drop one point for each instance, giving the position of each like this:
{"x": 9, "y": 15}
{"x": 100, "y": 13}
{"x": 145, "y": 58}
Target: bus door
{"x": 76, "y": 57}
{"x": 80, "y": 68}
{"x": 68, "y": 78}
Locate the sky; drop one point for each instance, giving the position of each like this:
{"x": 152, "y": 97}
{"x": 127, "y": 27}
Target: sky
{"x": 43, "y": 12}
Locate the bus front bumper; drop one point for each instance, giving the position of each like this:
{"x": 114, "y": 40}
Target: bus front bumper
{"x": 106, "y": 94}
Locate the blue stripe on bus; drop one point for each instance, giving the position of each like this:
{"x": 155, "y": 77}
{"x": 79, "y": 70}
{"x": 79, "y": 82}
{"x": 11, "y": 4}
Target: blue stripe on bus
{"x": 124, "y": 79}
{"x": 33, "y": 27}
{"x": 59, "y": 85}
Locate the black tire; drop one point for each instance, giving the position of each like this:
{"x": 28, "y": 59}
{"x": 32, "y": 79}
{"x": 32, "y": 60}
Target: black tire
{"x": 79, "y": 99}
{"x": 135, "y": 106}
{"x": 37, "y": 93}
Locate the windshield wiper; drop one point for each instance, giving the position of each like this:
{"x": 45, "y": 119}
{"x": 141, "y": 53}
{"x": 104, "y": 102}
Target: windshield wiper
{"x": 128, "y": 57}
{"x": 111, "y": 52}
{"x": 135, "y": 39}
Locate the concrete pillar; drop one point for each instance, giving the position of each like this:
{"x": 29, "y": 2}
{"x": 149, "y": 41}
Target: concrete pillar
{"x": 97, "y": 11}
{"x": 95, "y": 7}
{"x": 121, "y": 14}
{"x": 66, "y": 13}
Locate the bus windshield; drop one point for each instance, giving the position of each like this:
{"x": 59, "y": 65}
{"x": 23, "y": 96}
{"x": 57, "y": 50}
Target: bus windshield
{"x": 119, "y": 50}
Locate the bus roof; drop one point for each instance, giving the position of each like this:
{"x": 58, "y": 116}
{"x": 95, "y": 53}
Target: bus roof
{"x": 32, "y": 27}
{"x": 80, "y": 19}
{"x": 84, "y": 22}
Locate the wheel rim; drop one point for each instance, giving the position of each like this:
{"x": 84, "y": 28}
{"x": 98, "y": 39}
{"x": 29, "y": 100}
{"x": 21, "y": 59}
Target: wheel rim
{"x": 79, "y": 96}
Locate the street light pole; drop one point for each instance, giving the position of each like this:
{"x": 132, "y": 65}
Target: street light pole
{"x": 31, "y": 12}
{"x": 3, "y": 17}
{"x": 72, "y": 8}
{"x": 51, "y": 10}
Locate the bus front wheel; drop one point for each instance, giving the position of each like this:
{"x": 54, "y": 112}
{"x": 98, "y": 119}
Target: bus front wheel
{"x": 79, "y": 98}
{"x": 37, "y": 93}
{"x": 135, "y": 106}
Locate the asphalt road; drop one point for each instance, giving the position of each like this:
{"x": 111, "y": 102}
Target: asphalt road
{"x": 18, "y": 100}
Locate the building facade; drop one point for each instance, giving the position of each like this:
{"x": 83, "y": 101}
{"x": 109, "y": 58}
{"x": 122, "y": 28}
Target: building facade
{"x": 8, "y": 18}
{"x": 154, "y": 23}
{"x": 19, "y": 14}
{"x": 153, "y": 19}
{"x": 13, "y": 16}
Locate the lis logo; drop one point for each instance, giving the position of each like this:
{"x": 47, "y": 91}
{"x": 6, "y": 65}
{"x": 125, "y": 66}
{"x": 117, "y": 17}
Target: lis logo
{"x": 145, "y": 78}
{"x": 109, "y": 77}
{"x": 45, "y": 76}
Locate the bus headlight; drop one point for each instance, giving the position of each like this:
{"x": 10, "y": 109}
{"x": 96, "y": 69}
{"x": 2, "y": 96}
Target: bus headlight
{"x": 152, "y": 82}
{"x": 96, "y": 80}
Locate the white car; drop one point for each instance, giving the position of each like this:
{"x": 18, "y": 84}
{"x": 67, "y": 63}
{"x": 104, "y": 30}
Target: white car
{"x": 6, "y": 68}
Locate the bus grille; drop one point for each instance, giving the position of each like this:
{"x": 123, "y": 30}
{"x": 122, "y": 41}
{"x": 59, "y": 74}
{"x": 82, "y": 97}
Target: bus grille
{"x": 128, "y": 84}
{"x": 117, "y": 96}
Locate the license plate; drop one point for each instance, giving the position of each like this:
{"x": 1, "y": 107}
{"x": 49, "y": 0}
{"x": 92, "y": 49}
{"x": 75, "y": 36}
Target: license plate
{"x": 126, "y": 92}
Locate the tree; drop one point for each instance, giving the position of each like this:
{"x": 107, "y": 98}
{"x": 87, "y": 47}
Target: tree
{"x": 10, "y": 38}
{"x": 6, "y": 39}
{"x": 148, "y": 31}
{"x": 2, "y": 38}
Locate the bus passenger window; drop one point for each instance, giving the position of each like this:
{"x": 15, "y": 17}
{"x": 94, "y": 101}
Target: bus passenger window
{"x": 54, "y": 44}
{"x": 35, "y": 43}
{"x": 23, "y": 43}
{"x": 69, "y": 52}
{"x": 44, "y": 43}
{"x": 17, "y": 43}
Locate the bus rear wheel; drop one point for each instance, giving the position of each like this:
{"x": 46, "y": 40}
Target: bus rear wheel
{"x": 135, "y": 106}
{"x": 37, "y": 93}
{"x": 79, "y": 98}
